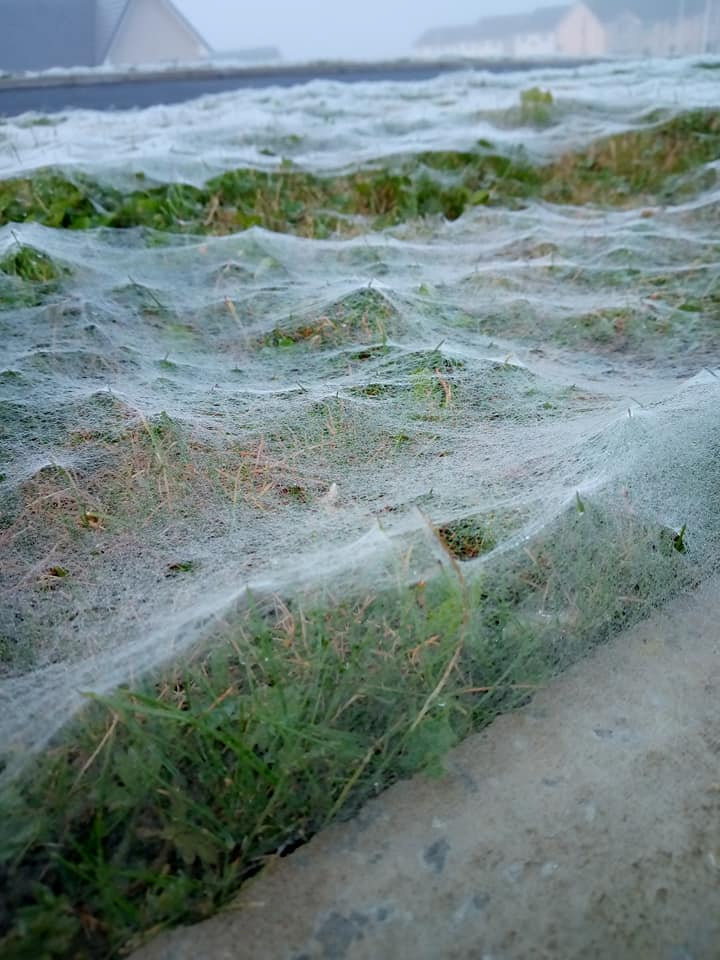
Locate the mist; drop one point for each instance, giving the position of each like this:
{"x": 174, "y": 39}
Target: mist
{"x": 320, "y": 28}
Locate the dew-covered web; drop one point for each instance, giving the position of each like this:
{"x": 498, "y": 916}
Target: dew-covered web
{"x": 326, "y": 125}
{"x": 188, "y": 419}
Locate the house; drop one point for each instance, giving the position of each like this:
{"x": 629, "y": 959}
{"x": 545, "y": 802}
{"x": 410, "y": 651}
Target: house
{"x": 248, "y": 55}
{"x": 568, "y": 30}
{"x": 39, "y": 34}
{"x": 621, "y": 28}
{"x": 659, "y": 27}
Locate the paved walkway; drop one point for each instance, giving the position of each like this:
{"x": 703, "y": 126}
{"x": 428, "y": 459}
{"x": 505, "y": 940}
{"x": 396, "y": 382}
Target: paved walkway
{"x": 585, "y": 826}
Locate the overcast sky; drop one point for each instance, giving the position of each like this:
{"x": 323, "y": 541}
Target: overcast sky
{"x": 335, "y": 28}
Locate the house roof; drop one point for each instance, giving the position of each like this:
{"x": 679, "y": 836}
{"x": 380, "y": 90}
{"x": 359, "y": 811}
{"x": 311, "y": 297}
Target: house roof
{"x": 542, "y": 20}
{"x": 445, "y": 36}
{"x": 648, "y": 10}
{"x": 537, "y": 21}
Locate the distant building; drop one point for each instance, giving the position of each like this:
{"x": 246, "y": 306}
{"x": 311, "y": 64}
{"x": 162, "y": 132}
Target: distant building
{"x": 249, "y": 55}
{"x": 659, "y": 27}
{"x": 39, "y": 34}
{"x": 621, "y": 28}
{"x": 569, "y": 30}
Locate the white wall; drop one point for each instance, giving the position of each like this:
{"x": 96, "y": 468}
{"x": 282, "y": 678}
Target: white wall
{"x": 581, "y": 34}
{"x": 534, "y": 45}
{"x": 151, "y": 32}
{"x": 471, "y": 48}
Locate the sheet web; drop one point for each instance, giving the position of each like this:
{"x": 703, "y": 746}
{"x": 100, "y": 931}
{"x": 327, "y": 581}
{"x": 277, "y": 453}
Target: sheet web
{"x": 188, "y": 421}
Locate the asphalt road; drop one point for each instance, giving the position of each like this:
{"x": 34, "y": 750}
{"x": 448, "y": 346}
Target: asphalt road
{"x": 126, "y": 91}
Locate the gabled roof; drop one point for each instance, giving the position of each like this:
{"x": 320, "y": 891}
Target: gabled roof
{"x": 537, "y": 21}
{"x": 542, "y": 20}
{"x": 446, "y": 36}
{"x": 648, "y": 10}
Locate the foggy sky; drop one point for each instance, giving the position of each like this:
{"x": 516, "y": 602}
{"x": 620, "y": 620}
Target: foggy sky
{"x": 335, "y": 28}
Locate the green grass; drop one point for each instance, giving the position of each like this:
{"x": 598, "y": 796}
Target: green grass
{"x": 161, "y": 800}
{"x": 536, "y": 107}
{"x": 660, "y": 163}
{"x": 360, "y": 317}
{"x": 28, "y": 276}
{"x": 661, "y": 313}
{"x": 30, "y": 265}
{"x": 156, "y": 804}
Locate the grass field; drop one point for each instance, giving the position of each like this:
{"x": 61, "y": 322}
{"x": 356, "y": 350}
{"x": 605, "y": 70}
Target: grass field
{"x": 158, "y": 800}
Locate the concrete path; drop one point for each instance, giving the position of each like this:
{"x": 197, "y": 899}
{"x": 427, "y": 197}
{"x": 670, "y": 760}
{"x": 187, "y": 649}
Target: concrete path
{"x": 585, "y": 826}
